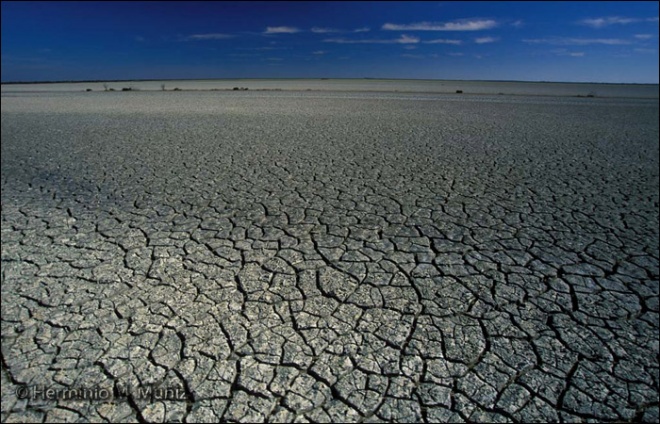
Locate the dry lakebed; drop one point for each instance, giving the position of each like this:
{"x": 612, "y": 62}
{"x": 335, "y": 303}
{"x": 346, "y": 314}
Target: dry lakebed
{"x": 324, "y": 256}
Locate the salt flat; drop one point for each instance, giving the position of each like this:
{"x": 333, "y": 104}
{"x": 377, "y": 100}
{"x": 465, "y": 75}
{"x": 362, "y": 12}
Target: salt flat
{"x": 358, "y": 84}
{"x": 330, "y": 256}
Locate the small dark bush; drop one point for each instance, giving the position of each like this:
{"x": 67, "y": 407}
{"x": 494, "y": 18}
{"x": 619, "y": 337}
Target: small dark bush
{"x": 127, "y": 89}
{"x": 459, "y": 91}
{"x": 89, "y": 89}
{"x": 111, "y": 89}
{"x": 236, "y": 89}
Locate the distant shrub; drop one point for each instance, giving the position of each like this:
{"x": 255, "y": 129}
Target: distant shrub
{"x": 591, "y": 94}
{"x": 89, "y": 89}
{"x": 235, "y": 88}
{"x": 459, "y": 91}
{"x": 177, "y": 89}
{"x": 127, "y": 89}
{"x": 111, "y": 89}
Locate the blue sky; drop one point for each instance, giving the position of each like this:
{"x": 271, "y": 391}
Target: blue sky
{"x": 528, "y": 41}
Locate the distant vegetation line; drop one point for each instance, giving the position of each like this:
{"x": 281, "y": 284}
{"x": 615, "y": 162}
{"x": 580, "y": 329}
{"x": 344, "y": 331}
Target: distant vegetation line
{"x": 323, "y": 78}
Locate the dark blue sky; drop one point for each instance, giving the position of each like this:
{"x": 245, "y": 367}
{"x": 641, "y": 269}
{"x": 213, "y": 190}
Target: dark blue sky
{"x": 536, "y": 41}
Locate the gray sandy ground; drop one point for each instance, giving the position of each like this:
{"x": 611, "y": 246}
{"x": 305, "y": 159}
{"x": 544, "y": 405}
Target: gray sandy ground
{"x": 330, "y": 257}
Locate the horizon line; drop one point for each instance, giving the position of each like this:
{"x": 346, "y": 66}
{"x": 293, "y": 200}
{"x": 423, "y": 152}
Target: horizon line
{"x": 322, "y": 78}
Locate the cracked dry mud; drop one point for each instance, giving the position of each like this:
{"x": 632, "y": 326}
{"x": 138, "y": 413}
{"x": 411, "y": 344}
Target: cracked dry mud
{"x": 335, "y": 257}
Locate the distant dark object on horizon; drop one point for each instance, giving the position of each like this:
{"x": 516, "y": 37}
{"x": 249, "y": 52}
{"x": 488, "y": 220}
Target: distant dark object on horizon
{"x": 459, "y": 91}
{"x": 592, "y": 94}
{"x": 89, "y": 89}
{"x": 240, "y": 89}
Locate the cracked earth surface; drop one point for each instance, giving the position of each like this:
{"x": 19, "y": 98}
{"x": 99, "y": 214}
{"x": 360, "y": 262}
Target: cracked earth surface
{"x": 306, "y": 257}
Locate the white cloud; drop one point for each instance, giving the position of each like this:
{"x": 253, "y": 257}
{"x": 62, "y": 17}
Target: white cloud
{"x": 213, "y": 36}
{"x": 318, "y": 30}
{"x": 319, "y": 52}
{"x": 407, "y": 39}
{"x": 281, "y": 30}
{"x": 444, "y": 41}
{"x": 643, "y": 36}
{"x": 404, "y": 39}
{"x": 565, "y": 52}
{"x": 602, "y": 22}
{"x": 518, "y": 24}
{"x": 462, "y": 25}
{"x": 322, "y": 30}
{"x": 614, "y": 20}
{"x": 485, "y": 40}
{"x": 562, "y": 41}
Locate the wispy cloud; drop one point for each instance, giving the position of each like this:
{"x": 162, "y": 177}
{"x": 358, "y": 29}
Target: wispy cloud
{"x": 644, "y": 50}
{"x": 323, "y": 30}
{"x": 485, "y": 40}
{"x": 318, "y": 30}
{"x": 457, "y": 54}
{"x": 404, "y": 39}
{"x": 614, "y": 20}
{"x": 265, "y": 48}
{"x": 566, "y": 52}
{"x": 419, "y": 56}
{"x": 518, "y": 24}
{"x": 319, "y": 52}
{"x": 461, "y": 25}
{"x": 563, "y": 41}
{"x": 281, "y": 30}
{"x": 643, "y": 36}
{"x": 212, "y": 36}
{"x": 443, "y": 41}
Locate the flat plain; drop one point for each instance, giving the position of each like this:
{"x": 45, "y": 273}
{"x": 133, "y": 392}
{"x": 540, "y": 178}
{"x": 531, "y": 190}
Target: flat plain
{"x": 335, "y": 256}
